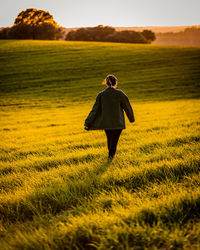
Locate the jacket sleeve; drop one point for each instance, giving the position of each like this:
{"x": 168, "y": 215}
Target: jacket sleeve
{"x": 94, "y": 112}
{"x": 127, "y": 108}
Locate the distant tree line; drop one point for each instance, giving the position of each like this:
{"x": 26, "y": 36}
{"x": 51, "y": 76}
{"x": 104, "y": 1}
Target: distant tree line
{"x": 189, "y": 36}
{"x": 109, "y": 34}
{"x": 39, "y": 24}
{"x": 33, "y": 24}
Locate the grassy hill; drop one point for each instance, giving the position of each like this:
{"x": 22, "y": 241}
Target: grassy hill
{"x": 57, "y": 189}
{"x": 55, "y": 70}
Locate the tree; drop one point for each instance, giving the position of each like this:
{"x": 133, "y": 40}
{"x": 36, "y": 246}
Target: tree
{"x": 106, "y": 34}
{"x": 82, "y": 34}
{"x": 127, "y": 36}
{"x": 4, "y": 33}
{"x": 98, "y": 33}
{"x": 101, "y": 32}
{"x": 34, "y": 17}
{"x": 35, "y": 24}
{"x": 149, "y": 35}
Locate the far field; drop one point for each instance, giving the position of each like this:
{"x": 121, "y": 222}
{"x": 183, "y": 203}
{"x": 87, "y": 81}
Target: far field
{"x": 57, "y": 190}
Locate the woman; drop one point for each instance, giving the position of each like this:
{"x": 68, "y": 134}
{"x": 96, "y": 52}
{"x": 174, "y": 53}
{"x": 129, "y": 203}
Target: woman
{"x": 108, "y": 113}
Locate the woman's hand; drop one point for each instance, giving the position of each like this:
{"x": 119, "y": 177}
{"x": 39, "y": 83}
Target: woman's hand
{"x": 86, "y": 128}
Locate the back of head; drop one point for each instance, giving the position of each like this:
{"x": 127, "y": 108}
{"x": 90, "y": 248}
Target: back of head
{"x": 110, "y": 80}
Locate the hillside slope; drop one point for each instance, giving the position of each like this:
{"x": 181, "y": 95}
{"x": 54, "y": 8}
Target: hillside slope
{"x": 55, "y": 70}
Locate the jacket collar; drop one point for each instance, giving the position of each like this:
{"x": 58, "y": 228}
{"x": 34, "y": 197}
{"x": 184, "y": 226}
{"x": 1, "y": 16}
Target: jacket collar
{"x": 109, "y": 88}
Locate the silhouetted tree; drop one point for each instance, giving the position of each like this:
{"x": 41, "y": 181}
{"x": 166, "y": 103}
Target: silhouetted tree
{"x": 127, "y": 36}
{"x": 4, "y": 33}
{"x": 98, "y": 33}
{"x": 70, "y": 35}
{"x": 101, "y": 32}
{"x": 149, "y": 35}
{"x": 106, "y": 34}
{"x": 82, "y": 34}
{"x": 35, "y": 24}
{"x": 21, "y": 31}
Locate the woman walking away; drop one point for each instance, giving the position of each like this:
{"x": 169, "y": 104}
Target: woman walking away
{"x": 108, "y": 113}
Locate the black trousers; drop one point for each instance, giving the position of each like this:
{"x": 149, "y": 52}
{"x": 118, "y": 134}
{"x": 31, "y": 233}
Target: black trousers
{"x": 112, "y": 140}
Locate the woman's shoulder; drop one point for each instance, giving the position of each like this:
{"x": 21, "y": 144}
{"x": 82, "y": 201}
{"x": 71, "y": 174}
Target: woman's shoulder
{"x": 121, "y": 92}
{"x": 118, "y": 91}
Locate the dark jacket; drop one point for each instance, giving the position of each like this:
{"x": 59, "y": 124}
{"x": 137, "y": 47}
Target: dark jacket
{"x": 108, "y": 110}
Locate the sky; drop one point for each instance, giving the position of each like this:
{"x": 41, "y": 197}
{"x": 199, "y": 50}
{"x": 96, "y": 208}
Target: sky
{"x": 116, "y": 13}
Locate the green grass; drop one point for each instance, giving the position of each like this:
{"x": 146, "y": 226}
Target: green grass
{"x": 57, "y": 189}
{"x": 73, "y": 71}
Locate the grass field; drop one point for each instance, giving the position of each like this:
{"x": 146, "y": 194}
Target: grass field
{"x": 57, "y": 189}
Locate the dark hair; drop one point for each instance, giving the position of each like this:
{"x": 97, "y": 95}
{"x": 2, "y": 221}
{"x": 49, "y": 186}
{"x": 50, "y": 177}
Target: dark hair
{"x": 110, "y": 80}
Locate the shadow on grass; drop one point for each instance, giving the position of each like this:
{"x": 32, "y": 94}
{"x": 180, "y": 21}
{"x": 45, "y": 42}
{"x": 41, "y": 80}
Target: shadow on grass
{"x": 56, "y": 197}
{"x": 100, "y": 170}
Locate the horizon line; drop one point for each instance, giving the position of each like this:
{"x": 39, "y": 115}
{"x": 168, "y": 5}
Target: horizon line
{"x": 164, "y": 26}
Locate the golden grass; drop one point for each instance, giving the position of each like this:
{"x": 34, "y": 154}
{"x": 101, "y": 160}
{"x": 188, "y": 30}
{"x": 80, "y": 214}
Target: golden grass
{"x": 56, "y": 181}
